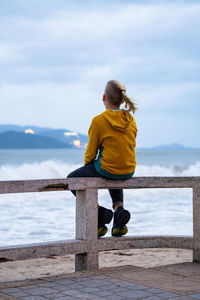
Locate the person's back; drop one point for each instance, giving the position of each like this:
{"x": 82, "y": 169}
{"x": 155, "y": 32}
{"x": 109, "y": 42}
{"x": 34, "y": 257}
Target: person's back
{"x": 110, "y": 153}
{"x": 116, "y": 132}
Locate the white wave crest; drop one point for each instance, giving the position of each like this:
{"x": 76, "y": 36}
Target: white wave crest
{"x": 57, "y": 169}
{"x": 44, "y": 170}
{"x": 192, "y": 170}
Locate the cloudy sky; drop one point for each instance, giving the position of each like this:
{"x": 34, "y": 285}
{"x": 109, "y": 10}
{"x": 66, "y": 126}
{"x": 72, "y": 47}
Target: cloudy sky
{"x": 56, "y": 56}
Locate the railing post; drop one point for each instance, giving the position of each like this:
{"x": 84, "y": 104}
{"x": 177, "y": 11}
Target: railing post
{"x": 86, "y": 228}
{"x": 196, "y": 223}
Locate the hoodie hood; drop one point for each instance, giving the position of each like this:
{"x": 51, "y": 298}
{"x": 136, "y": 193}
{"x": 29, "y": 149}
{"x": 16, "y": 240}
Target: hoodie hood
{"x": 119, "y": 119}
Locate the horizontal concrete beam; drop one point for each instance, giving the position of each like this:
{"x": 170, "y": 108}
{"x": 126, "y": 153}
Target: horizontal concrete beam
{"x": 46, "y": 185}
{"x": 104, "y": 244}
{"x": 140, "y": 242}
{"x": 42, "y": 185}
{"x": 39, "y": 250}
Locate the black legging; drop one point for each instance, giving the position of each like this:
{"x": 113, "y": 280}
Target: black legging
{"x": 90, "y": 171}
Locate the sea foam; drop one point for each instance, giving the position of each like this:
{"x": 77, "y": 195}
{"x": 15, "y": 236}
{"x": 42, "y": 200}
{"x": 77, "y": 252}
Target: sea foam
{"x": 36, "y": 217}
{"x": 58, "y": 169}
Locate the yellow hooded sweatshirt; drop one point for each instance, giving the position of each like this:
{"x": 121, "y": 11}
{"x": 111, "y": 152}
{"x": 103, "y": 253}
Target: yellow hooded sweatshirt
{"x": 112, "y": 136}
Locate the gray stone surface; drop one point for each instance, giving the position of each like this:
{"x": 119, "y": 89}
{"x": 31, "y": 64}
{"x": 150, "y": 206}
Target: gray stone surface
{"x": 44, "y": 185}
{"x": 86, "y": 246}
{"x": 33, "y": 298}
{"x": 86, "y": 228}
{"x": 167, "y": 282}
{"x": 43, "y": 249}
{"x": 134, "y": 294}
{"x": 167, "y": 295}
{"x": 89, "y": 287}
{"x": 155, "y": 297}
{"x": 65, "y": 298}
{"x": 39, "y": 291}
{"x": 195, "y": 296}
{"x": 196, "y": 223}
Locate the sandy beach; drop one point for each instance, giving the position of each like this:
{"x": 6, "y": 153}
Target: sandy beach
{"x": 54, "y": 265}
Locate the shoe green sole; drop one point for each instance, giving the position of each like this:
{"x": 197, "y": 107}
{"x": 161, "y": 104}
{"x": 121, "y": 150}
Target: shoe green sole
{"x": 119, "y": 231}
{"x": 102, "y": 231}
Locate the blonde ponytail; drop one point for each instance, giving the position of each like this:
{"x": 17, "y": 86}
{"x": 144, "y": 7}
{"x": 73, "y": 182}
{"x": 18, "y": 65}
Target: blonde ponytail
{"x": 129, "y": 104}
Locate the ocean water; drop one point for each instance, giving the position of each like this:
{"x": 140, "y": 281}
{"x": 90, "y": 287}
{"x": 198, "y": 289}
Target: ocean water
{"x": 41, "y": 217}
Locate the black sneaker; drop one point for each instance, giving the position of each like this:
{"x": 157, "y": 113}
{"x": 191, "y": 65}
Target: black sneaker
{"x": 121, "y": 218}
{"x": 104, "y": 217}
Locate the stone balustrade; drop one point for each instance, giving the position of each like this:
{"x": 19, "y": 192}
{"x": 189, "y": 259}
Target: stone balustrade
{"x": 86, "y": 246}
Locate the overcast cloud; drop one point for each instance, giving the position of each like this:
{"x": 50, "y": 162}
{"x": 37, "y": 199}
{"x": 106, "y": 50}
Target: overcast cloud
{"x": 56, "y": 56}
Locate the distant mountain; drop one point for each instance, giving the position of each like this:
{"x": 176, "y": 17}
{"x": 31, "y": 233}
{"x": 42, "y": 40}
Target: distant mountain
{"x": 20, "y": 140}
{"x": 12, "y": 127}
{"x": 45, "y": 137}
{"x": 169, "y": 147}
{"x": 173, "y": 146}
{"x": 65, "y": 136}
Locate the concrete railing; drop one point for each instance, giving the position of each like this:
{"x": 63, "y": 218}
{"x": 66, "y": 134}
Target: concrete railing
{"x": 87, "y": 246}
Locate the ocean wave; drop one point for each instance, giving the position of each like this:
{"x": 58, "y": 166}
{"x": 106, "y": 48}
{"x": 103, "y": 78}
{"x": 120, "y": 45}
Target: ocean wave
{"x": 156, "y": 170}
{"x": 36, "y": 217}
{"x": 44, "y": 170}
{"x": 57, "y": 169}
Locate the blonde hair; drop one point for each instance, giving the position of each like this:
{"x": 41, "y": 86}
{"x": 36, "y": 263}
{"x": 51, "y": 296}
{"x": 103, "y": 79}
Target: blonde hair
{"x": 116, "y": 94}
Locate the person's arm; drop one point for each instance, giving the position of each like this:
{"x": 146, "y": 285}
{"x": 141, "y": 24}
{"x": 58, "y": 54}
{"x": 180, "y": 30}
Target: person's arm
{"x": 93, "y": 144}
